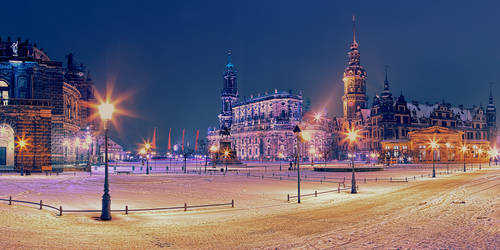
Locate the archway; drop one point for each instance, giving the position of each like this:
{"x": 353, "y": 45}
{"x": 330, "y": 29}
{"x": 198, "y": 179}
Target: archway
{"x": 6, "y": 146}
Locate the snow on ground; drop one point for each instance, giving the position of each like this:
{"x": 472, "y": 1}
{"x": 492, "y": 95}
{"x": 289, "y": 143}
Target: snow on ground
{"x": 457, "y": 210}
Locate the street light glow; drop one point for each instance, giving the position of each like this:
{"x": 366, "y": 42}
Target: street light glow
{"x": 352, "y": 135}
{"x": 106, "y": 111}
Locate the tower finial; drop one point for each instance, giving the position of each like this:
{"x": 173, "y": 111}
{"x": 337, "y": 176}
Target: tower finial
{"x": 229, "y": 63}
{"x": 353, "y": 28}
{"x": 386, "y": 82}
{"x": 491, "y": 93}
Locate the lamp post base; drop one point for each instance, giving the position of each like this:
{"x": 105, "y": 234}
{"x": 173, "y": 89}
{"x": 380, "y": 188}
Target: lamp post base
{"x": 106, "y": 207}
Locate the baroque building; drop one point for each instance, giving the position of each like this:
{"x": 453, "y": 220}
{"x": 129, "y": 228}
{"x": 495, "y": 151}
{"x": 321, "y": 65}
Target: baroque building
{"x": 43, "y": 103}
{"x": 260, "y": 127}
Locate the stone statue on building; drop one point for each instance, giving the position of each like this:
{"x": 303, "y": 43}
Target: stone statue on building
{"x": 14, "y": 48}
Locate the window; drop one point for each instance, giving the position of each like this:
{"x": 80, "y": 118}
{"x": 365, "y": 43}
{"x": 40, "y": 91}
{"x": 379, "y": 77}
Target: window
{"x": 4, "y": 92}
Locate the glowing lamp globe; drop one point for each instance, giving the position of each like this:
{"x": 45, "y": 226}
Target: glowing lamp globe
{"x": 106, "y": 111}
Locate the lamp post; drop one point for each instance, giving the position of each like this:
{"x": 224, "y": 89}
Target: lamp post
{"x": 147, "y": 146}
{"x": 296, "y": 131}
{"x": 213, "y": 150}
{"x": 479, "y": 151}
{"x": 106, "y": 112}
{"x": 226, "y": 155}
{"x": 352, "y": 135}
{"x": 281, "y": 156}
{"x": 21, "y": 144}
{"x": 433, "y": 144}
{"x": 464, "y": 149}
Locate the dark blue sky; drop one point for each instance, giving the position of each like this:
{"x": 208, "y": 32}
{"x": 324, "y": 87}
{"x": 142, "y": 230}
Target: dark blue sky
{"x": 172, "y": 53}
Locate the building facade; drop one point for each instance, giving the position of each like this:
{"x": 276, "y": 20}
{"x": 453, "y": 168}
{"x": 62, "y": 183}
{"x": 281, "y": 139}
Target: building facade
{"x": 260, "y": 127}
{"x": 400, "y": 131}
{"x": 44, "y": 104}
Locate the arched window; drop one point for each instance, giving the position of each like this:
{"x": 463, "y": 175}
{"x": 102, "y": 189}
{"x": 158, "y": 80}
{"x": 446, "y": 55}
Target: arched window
{"x": 4, "y": 92}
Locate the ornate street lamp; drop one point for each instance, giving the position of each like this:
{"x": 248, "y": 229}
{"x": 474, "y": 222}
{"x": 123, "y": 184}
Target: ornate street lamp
{"x": 106, "y": 111}
{"x": 213, "y": 150}
{"x": 464, "y": 150}
{"x": 281, "y": 156}
{"x": 433, "y": 144}
{"x": 352, "y": 136}
{"x": 480, "y": 152}
{"x": 22, "y": 144}
{"x": 226, "y": 155}
{"x": 297, "y": 131}
{"x": 147, "y": 146}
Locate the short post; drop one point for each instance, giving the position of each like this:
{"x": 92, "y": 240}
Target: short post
{"x": 315, "y": 193}
{"x": 185, "y": 207}
{"x": 365, "y": 180}
{"x": 287, "y": 197}
{"x": 10, "y": 200}
{"x": 376, "y": 179}
{"x": 391, "y": 179}
{"x": 41, "y": 204}
{"x": 126, "y": 209}
{"x": 406, "y": 179}
{"x": 321, "y": 181}
{"x": 60, "y": 210}
{"x": 232, "y": 203}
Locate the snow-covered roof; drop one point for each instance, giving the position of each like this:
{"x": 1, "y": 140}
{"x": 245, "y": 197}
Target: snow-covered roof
{"x": 464, "y": 114}
{"x": 425, "y": 110}
{"x": 421, "y": 110}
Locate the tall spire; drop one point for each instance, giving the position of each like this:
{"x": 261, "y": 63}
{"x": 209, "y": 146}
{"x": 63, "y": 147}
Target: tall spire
{"x": 229, "y": 63}
{"x": 353, "y": 28}
{"x": 491, "y": 94}
{"x": 386, "y": 82}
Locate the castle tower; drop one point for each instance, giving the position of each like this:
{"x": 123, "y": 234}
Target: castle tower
{"x": 354, "y": 81}
{"x": 229, "y": 94}
{"x": 491, "y": 119}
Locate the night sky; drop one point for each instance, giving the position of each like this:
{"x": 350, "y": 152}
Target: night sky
{"x": 171, "y": 55}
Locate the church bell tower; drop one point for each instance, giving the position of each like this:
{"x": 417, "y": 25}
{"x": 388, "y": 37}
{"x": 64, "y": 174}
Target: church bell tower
{"x": 229, "y": 95}
{"x": 354, "y": 80}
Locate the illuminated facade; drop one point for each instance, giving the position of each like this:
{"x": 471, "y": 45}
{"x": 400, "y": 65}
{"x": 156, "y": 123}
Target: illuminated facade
{"x": 45, "y": 103}
{"x": 398, "y": 130}
{"x": 261, "y": 127}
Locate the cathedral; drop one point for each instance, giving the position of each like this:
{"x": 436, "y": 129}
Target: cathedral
{"x": 46, "y": 106}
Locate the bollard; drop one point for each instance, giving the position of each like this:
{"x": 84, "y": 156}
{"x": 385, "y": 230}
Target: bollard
{"x": 390, "y": 179}
{"x": 60, "y": 210}
{"x": 232, "y": 203}
{"x": 414, "y": 177}
{"x": 126, "y": 209}
{"x": 365, "y": 180}
{"x": 315, "y": 193}
{"x": 10, "y": 200}
{"x": 376, "y": 179}
{"x": 406, "y": 179}
{"x": 287, "y": 197}
{"x": 185, "y": 207}
{"x": 74, "y": 173}
{"x": 280, "y": 178}
{"x": 41, "y": 204}
{"x": 321, "y": 181}
{"x": 46, "y": 173}
{"x": 57, "y": 173}
{"x": 344, "y": 178}
{"x": 338, "y": 190}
